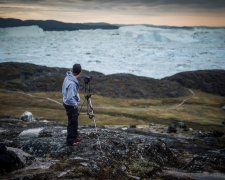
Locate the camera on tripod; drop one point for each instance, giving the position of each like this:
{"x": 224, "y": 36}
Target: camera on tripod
{"x": 87, "y": 79}
{"x": 87, "y": 85}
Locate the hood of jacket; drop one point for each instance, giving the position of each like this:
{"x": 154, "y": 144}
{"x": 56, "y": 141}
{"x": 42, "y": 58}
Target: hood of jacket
{"x": 71, "y": 77}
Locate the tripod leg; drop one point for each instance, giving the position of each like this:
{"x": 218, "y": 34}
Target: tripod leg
{"x": 90, "y": 109}
{"x": 81, "y": 106}
{"x": 98, "y": 140}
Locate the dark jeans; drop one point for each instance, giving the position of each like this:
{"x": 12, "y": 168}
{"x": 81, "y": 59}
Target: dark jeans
{"x": 72, "y": 114}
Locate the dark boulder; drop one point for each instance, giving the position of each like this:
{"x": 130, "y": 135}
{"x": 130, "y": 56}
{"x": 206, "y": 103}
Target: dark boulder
{"x": 172, "y": 128}
{"x": 182, "y": 125}
{"x": 133, "y": 126}
{"x": 217, "y": 133}
{"x": 2, "y": 148}
{"x": 13, "y": 159}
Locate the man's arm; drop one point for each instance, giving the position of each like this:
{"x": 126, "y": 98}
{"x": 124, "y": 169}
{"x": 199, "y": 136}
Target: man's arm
{"x": 71, "y": 95}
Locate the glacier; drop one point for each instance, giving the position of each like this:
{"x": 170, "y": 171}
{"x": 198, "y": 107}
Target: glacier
{"x": 136, "y": 49}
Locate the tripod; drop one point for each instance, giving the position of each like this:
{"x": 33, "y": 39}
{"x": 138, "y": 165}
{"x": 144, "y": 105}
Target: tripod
{"x": 90, "y": 109}
{"x": 87, "y": 91}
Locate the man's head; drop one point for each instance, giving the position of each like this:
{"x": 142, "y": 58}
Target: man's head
{"x": 76, "y": 69}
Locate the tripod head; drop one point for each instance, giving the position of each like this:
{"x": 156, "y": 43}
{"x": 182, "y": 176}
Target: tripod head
{"x": 87, "y": 85}
{"x": 87, "y": 79}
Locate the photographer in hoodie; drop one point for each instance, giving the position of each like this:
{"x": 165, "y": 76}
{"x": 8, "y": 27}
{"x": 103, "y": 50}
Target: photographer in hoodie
{"x": 71, "y": 100}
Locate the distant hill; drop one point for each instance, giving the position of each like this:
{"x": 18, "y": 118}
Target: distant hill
{"x": 211, "y": 81}
{"x": 30, "y": 77}
{"x": 52, "y": 25}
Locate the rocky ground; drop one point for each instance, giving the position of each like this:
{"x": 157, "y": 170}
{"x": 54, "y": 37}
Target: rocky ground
{"x": 36, "y": 149}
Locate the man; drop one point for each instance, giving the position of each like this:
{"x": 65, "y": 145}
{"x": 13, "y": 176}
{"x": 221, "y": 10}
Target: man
{"x": 71, "y": 100}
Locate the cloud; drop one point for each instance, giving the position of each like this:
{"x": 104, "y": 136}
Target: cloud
{"x": 137, "y": 11}
{"x": 134, "y": 7}
{"x": 202, "y": 4}
{"x": 115, "y": 8}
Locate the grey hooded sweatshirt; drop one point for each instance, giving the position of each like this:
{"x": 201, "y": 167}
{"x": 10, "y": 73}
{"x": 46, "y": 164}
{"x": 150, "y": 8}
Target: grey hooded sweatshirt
{"x": 70, "y": 90}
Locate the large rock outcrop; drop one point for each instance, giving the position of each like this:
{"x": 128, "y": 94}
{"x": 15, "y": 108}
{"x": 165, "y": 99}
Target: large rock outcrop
{"x": 13, "y": 159}
{"x": 30, "y": 77}
{"x": 211, "y": 81}
{"x": 131, "y": 86}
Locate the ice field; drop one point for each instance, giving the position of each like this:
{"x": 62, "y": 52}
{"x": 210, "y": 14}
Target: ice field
{"x": 140, "y": 50}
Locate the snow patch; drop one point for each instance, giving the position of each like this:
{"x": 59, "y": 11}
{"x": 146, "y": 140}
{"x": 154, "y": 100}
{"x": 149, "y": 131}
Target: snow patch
{"x": 31, "y": 132}
{"x": 44, "y": 121}
{"x": 64, "y": 131}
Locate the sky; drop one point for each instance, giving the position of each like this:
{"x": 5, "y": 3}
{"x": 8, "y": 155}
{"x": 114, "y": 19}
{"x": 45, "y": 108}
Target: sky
{"x": 156, "y": 12}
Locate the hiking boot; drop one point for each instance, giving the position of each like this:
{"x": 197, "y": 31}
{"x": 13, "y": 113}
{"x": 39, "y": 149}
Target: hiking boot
{"x": 75, "y": 142}
{"x": 77, "y": 139}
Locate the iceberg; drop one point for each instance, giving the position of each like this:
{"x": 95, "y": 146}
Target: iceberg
{"x": 22, "y": 31}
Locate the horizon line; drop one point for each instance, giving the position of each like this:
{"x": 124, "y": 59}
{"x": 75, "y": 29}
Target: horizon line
{"x": 118, "y": 24}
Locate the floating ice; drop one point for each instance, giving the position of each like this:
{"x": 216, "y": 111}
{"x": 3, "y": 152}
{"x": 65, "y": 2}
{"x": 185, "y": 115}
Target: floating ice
{"x": 141, "y": 50}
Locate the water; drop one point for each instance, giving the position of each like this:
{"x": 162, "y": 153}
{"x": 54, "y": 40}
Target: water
{"x": 140, "y": 50}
